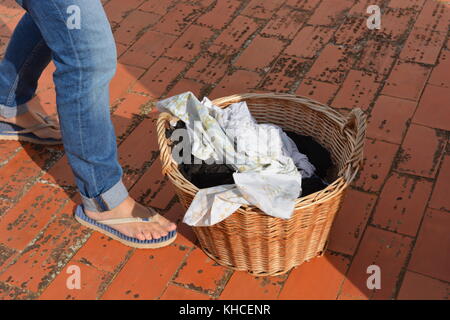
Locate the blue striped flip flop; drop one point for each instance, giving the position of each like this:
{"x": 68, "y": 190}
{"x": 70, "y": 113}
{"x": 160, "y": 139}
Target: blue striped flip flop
{"x": 104, "y": 227}
{"x": 9, "y": 131}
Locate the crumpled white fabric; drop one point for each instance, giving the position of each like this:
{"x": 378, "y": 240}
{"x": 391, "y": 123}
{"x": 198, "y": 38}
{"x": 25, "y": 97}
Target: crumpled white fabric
{"x": 268, "y": 165}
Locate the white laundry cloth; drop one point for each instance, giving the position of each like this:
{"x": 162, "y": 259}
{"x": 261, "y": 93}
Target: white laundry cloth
{"x": 268, "y": 165}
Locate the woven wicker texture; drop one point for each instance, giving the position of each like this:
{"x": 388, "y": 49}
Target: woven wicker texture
{"x": 252, "y": 241}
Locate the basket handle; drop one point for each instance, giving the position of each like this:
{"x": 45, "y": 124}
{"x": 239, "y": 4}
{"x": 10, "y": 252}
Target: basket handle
{"x": 162, "y": 123}
{"x": 356, "y": 125}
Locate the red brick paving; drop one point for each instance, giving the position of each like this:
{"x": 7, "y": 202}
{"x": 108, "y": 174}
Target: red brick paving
{"x": 395, "y": 215}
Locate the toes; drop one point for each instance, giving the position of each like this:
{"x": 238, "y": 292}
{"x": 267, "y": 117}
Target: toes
{"x": 156, "y": 234}
{"x": 148, "y": 235}
{"x": 140, "y": 236}
{"x": 171, "y": 226}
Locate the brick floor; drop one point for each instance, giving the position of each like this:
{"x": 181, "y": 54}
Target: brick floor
{"x": 395, "y": 215}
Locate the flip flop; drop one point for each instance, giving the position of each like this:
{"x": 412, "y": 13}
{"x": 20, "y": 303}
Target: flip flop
{"x": 103, "y": 226}
{"x": 9, "y": 131}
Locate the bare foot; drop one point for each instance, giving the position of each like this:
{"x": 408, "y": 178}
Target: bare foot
{"x": 142, "y": 231}
{"x": 30, "y": 119}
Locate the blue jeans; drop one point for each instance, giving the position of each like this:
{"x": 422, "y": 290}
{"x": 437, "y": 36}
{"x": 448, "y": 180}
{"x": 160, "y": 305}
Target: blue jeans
{"x": 83, "y": 50}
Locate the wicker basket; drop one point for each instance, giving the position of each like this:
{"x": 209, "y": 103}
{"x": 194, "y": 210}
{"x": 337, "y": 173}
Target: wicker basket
{"x": 252, "y": 241}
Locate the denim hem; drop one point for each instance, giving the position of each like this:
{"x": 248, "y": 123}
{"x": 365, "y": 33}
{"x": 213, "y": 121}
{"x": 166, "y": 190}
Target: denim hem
{"x": 11, "y": 112}
{"x": 107, "y": 200}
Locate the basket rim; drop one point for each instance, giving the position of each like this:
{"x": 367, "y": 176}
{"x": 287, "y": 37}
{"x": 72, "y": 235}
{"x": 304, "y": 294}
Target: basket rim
{"x": 353, "y": 127}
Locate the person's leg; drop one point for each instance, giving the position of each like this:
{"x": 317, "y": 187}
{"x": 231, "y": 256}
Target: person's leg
{"x": 83, "y": 50}
{"x": 26, "y": 57}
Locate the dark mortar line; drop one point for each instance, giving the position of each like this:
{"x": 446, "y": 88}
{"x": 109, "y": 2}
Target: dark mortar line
{"x": 113, "y": 275}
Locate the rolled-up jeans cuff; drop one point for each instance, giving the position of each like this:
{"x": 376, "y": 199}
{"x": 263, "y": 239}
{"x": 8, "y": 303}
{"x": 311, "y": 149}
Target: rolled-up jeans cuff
{"x": 11, "y": 112}
{"x": 107, "y": 200}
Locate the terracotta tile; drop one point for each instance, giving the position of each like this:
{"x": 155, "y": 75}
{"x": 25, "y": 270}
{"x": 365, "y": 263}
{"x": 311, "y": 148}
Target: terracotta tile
{"x": 176, "y": 292}
{"x": 352, "y": 30}
{"x": 440, "y": 198}
{"x": 159, "y": 7}
{"x": 235, "y": 34}
{"x": 60, "y": 173}
{"x": 159, "y": 76}
{"x": 357, "y": 91}
{"x": 385, "y": 249}
{"x": 121, "y": 48}
{"x": 377, "y": 56}
{"x": 6, "y": 254}
{"x": 133, "y": 25}
{"x": 201, "y": 273}
{"x": 406, "y": 4}
{"x": 9, "y": 24}
{"x": 378, "y": 157}
{"x": 22, "y": 223}
{"x": 402, "y": 204}
{"x": 255, "y": 288}
{"x": 319, "y": 279}
{"x": 209, "y": 68}
{"x": 316, "y": 90}
{"x": 389, "y": 118}
{"x": 13, "y": 293}
{"x": 418, "y": 287}
{"x": 285, "y": 23}
{"x": 430, "y": 255}
{"x": 178, "y": 18}
{"x": 350, "y": 221}
{"x": 3, "y": 44}
{"x": 117, "y": 9}
{"x": 124, "y": 79}
{"x": 421, "y": 151}
{"x": 102, "y": 253}
{"x": 328, "y": 12}
{"x": 284, "y": 74}
{"x": 46, "y": 79}
{"x": 262, "y": 9}
{"x": 134, "y": 152}
{"x": 260, "y": 53}
{"x": 37, "y": 266}
{"x": 309, "y": 41}
{"x": 10, "y": 8}
{"x": 423, "y": 46}
{"x": 186, "y": 237}
{"x": 153, "y": 188}
{"x": 332, "y": 65}
{"x": 440, "y": 75}
{"x": 124, "y": 116}
{"x": 360, "y": 6}
{"x": 305, "y": 5}
{"x": 185, "y": 85}
{"x": 25, "y": 166}
{"x": 144, "y": 52}
{"x": 146, "y": 274}
{"x": 433, "y": 109}
{"x": 220, "y": 15}
{"x": 395, "y": 23}
{"x": 240, "y": 81}
{"x": 400, "y": 83}
{"x": 435, "y": 15}
{"x": 91, "y": 282}
{"x": 190, "y": 43}
{"x": 8, "y": 149}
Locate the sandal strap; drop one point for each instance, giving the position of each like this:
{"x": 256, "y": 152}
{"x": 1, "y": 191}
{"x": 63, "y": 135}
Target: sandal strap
{"x": 32, "y": 129}
{"x": 46, "y": 123}
{"x": 125, "y": 220}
